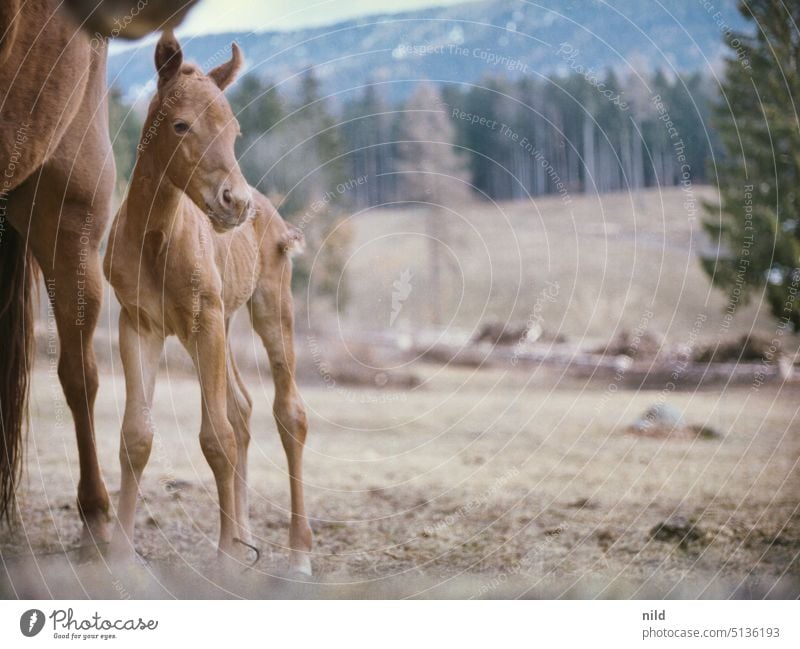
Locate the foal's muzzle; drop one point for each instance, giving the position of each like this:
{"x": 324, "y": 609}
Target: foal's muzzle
{"x": 232, "y": 207}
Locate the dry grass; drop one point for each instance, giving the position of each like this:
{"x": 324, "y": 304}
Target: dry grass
{"x": 476, "y": 484}
{"x": 614, "y": 256}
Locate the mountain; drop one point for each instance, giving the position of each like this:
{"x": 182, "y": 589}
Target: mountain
{"x": 464, "y": 43}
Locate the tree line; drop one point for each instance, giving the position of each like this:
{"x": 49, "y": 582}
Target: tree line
{"x": 319, "y": 158}
{"x": 508, "y": 139}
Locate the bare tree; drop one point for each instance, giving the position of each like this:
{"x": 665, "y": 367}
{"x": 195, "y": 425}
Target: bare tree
{"x": 432, "y": 172}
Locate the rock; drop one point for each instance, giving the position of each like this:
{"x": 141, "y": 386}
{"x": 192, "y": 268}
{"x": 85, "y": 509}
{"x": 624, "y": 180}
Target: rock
{"x": 660, "y": 415}
{"x": 665, "y": 421}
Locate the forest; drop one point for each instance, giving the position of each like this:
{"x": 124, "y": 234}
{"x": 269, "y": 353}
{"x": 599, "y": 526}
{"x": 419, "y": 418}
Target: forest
{"x": 506, "y": 139}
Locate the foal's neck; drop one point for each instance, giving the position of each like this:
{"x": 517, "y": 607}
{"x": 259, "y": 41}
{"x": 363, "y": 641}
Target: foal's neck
{"x": 153, "y": 201}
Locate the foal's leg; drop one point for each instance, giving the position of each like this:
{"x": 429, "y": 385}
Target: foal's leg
{"x": 140, "y": 350}
{"x": 207, "y": 348}
{"x": 240, "y": 407}
{"x": 271, "y": 312}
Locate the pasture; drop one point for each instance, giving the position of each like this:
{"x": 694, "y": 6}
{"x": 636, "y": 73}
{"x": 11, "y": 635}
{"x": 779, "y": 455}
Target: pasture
{"x": 499, "y": 481}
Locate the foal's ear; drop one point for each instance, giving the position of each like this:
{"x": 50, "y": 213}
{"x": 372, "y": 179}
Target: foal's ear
{"x": 169, "y": 57}
{"x": 224, "y": 75}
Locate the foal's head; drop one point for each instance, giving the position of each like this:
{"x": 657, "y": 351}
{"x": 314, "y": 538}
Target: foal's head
{"x": 195, "y": 134}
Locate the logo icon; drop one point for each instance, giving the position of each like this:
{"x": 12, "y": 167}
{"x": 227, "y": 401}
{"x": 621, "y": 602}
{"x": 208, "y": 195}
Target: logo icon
{"x": 31, "y": 622}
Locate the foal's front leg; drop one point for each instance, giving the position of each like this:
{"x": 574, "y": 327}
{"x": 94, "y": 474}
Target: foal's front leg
{"x": 140, "y": 350}
{"x": 206, "y": 345}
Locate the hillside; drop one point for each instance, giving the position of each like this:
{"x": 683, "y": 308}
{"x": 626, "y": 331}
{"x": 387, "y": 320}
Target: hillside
{"x": 588, "y": 269}
{"x": 464, "y": 43}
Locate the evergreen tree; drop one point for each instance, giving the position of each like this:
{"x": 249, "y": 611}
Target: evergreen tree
{"x": 758, "y": 225}
{"x": 259, "y": 109}
{"x": 124, "y": 129}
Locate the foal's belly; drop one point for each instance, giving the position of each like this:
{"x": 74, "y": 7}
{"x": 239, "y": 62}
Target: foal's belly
{"x": 239, "y": 266}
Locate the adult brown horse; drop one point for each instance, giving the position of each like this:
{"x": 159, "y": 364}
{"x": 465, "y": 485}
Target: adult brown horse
{"x": 56, "y": 180}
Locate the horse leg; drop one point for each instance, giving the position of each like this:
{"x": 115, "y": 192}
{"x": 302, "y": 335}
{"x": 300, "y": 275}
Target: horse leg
{"x": 140, "y": 350}
{"x": 271, "y": 312}
{"x": 207, "y": 348}
{"x": 240, "y": 407}
{"x": 74, "y": 286}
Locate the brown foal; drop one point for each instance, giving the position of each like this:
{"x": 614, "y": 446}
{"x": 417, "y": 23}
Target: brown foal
{"x": 193, "y": 243}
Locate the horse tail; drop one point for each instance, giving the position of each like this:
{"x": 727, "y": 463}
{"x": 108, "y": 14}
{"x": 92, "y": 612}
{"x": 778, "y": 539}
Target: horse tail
{"x": 9, "y": 23}
{"x": 16, "y": 338}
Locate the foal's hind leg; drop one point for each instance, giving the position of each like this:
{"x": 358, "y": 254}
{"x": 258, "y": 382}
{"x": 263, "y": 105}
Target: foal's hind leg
{"x": 271, "y": 311}
{"x": 240, "y": 407}
{"x": 207, "y": 347}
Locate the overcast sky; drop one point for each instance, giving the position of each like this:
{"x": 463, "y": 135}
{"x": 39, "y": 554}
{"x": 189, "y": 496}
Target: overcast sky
{"x": 259, "y": 15}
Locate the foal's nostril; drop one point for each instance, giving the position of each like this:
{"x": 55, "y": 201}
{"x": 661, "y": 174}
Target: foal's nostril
{"x": 227, "y": 197}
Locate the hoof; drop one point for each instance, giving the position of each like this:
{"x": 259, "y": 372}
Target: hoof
{"x": 95, "y": 539}
{"x": 300, "y": 567}
{"x": 122, "y": 552}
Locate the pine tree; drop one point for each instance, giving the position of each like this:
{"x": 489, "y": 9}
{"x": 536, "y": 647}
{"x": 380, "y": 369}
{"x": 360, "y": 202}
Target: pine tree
{"x": 758, "y": 221}
{"x": 259, "y": 109}
{"x": 124, "y": 129}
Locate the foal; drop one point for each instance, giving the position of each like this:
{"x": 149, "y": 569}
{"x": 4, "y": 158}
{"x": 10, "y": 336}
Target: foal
{"x": 192, "y": 244}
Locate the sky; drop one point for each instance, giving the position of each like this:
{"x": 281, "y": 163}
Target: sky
{"x": 211, "y": 16}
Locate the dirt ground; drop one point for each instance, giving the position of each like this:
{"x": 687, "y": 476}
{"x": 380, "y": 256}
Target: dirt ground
{"x": 498, "y": 483}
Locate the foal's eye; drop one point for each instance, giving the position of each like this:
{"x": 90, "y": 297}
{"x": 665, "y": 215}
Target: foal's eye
{"x": 181, "y": 127}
